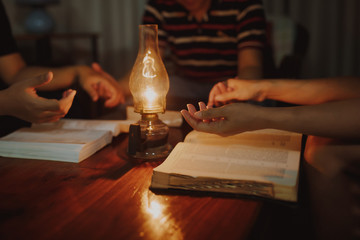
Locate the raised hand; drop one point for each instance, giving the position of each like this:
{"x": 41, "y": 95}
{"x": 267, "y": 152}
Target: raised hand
{"x": 24, "y": 103}
{"x": 100, "y": 84}
{"x": 236, "y": 89}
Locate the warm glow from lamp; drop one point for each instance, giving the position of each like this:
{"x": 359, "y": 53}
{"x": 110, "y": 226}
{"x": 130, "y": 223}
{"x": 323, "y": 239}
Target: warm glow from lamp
{"x": 157, "y": 217}
{"x": 155, "y": 209}
{"x": 150, "y": 97}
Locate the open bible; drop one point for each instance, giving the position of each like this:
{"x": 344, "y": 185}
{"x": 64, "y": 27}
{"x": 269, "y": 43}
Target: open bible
{"x": 68, "y": 140}
{"x": 262, "y": 163}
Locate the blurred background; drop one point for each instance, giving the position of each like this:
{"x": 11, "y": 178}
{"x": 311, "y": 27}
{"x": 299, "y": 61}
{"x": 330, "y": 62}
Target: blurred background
{"x": 107, "y": 31}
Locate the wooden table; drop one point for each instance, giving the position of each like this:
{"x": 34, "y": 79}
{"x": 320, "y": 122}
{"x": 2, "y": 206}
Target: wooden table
{"x": 107, "y": 196}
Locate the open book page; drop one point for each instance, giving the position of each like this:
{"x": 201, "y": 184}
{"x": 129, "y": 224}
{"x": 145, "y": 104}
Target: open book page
{"x": 170, "y": 118}
{"x": 53, "y": 144}
{"x": 233, "y": 162}
{"x": 274, "y": 160}
{"x": 115, "y": 126}
{"x": 270, "y": 138}
{"x": 75, "y": 136}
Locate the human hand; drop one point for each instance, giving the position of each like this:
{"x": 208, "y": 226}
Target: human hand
{"x": 226, "y": 120}
{"x": 99, "y": 84}
{"x": 236, "y": 89}
{"x": 24, "y": 103}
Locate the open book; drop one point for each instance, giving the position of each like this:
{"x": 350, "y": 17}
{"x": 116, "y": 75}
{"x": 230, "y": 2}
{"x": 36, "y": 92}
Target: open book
{"x": 262, "y": 163}
{"x": 69, "y": 140}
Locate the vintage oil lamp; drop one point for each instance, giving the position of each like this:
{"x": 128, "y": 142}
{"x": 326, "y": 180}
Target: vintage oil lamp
{"x": 149, "y": 84}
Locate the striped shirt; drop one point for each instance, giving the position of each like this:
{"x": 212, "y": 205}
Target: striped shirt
{"x": 208, "y": 49}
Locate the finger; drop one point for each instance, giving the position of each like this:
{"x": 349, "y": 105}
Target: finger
{"x": 225, "y": 97}
{"x": 108, "y": 93}
{"x": 104, "y": 91}
{"x": 211, "y": 127}
{"x": 91, "y": 91}
{"x": 213, "y": 92}
{"x": 191, "y": 109}
{"x": 112, "y": 95}
{"x": 66, "y": 102}
{"x": 112, "y": 101}
{"x": 189, "y": 118}
{"x": 96, "y": 66}
{"x": 222, "y": 86}
{"x": 202, "y": 106}
{"x": 99, "y": 89}
{"x": 218, "y": 89}
{"x": 95, "y": 86}
{"x": 67, "y": 93}
{"x": 117, "y": 98}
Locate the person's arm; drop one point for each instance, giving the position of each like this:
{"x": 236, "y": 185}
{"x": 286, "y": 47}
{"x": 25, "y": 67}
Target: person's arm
{"x": 250, "y": 63}
{"x": 297, "y": 91}
{"x": 311, "y": 91}
{"x": 250, "y": 28}
{"x": 96, "y": 84}
{"x": 339, "y": 119}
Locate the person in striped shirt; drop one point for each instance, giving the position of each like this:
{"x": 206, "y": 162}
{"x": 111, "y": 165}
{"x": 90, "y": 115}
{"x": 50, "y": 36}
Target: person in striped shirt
{"x": 208, "y": 41}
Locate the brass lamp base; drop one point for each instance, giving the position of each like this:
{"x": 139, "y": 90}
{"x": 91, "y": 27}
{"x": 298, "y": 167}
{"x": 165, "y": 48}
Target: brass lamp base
{"x": 148, "y": 139}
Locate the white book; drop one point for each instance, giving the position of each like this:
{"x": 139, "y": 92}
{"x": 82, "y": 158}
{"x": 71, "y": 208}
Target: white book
{"x": 262, "y": 163}
{"x": 114, "y": 126}
{"x": 68, "y": 140}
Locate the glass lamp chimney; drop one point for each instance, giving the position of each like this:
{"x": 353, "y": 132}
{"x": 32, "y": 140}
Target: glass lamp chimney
{"x": 149, "y": 81}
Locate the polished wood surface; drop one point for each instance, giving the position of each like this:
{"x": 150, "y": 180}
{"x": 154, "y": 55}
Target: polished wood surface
{"x": 107, "y": 196}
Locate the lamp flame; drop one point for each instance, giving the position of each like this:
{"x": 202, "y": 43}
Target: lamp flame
{"x": 150, "y": 97}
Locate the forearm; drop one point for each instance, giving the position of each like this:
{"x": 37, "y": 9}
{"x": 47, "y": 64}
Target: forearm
{"x": 250, "y": 72}
{"x": 63, "y": 76}
{"x": 339, "y": 119}
{"x": 310, "y": 91}
{"x": 250, "y": 63}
